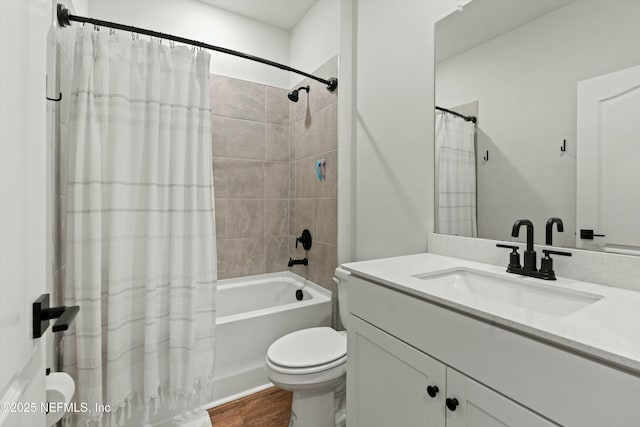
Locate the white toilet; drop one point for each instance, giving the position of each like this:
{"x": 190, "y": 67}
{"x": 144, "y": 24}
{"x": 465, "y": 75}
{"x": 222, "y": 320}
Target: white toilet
{"x": 312, "y": 363}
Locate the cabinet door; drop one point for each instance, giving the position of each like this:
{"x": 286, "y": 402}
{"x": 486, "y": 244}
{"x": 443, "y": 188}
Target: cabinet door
{"x": 479, "y": 406}
{"x": 387, "y": 381}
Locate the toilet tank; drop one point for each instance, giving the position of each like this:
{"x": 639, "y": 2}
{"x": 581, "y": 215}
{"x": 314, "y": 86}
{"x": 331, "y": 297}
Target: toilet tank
{"x": 342, "y": 280}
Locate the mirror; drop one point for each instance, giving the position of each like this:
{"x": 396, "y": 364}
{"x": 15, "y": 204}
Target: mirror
{"x": 555, "y": 88}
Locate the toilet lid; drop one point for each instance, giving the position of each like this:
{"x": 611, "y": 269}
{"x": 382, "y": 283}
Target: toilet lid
{"x": 308, "y": 347}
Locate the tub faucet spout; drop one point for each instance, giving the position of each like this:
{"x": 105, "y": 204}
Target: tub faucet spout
{"x": 303, "y": 261}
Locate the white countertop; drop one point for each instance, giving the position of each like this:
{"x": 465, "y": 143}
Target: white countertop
{"x": 608, "y": 329}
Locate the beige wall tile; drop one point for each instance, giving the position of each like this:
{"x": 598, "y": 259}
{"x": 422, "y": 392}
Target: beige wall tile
{"x": 305, "y": 177}
{"x": 240, "y": 257}
{"x": 324, "y": 129}
{"x": 237, "y": 138}
{"x": 218, "y": 136}
{"x": 327, "y": 187}
{"x": 221, "y": 218}
{"x": 277, "y": 105}
{"x": 292, "y": 143}
{"x": 277, "y": 142}
{"x": 237, "y": 98}
{"x": 245, "y": 218}
{"x": 292, "y": 179}
{"x": 245, "y": 178}
{"x": 325, "y": 221}
{"x": 220, "y": 176}
{"x": 276, "y": 253}
{"x": 277, "y": 180}
{"x": 303, "y": 140}
{"x": 303, "y": 216}
{"x": 276, "y": 217}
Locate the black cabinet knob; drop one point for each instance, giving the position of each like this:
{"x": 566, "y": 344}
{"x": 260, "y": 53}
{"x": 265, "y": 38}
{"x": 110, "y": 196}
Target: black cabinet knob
{"x": 432, "y": 390}
{"x": 452, "y": 404}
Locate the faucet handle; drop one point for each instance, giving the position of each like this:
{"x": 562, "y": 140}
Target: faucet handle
{"x": 514, "y": 247}
{"x": 514, "y": 257}
{"x": 546, "y": 264}
{"x": 548, "y": 252}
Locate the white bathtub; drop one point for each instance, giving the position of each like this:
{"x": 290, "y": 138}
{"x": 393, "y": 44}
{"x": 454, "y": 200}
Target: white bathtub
{"x": 252, "y": 313}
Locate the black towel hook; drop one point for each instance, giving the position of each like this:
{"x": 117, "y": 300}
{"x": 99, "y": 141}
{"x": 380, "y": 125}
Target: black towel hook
{"x": 486, "y": 156}
{"x": 563, "y": 147}
{"x": 58, "y": 99}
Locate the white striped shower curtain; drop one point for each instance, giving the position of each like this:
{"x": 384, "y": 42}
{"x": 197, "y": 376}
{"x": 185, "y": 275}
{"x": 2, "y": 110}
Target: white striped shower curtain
{"x": 140, "y": 240}
{"x": 456, "y": 193}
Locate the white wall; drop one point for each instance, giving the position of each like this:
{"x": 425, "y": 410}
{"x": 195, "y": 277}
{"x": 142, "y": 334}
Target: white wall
{"x": 386, "y": 126}
{"x": 196, "y": 20}
{"x": 315, "y": 38}
{"x": 25, "y": 271}
{"x": 79, "y": 7}
{"x": 525, "y": 82}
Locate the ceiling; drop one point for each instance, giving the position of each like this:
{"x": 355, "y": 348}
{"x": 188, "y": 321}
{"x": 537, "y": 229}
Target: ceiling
{"x": 483, "y": 20}
{"x": 284, "y": 14}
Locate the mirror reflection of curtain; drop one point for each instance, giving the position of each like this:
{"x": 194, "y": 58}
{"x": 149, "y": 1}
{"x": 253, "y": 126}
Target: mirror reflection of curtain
{"x": 455, "y": 148}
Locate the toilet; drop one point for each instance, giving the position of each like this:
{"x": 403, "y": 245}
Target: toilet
{"x": 312, "y": 363}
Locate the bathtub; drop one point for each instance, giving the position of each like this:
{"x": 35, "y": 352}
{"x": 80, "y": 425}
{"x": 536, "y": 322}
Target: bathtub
{"x": 253, "y": 312}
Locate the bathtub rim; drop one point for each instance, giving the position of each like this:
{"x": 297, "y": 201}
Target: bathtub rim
{"x": 318, "y": 293}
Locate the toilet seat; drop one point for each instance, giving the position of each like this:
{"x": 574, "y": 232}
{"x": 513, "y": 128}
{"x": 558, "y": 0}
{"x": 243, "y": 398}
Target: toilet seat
{"x": 308, "y": 351}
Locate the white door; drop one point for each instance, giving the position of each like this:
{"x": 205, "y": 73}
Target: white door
{"x": 478, "y": 406}
{"x": 23, "y": 209}
{"x": 608, "y": 166}
{"x": 390, "y": 382}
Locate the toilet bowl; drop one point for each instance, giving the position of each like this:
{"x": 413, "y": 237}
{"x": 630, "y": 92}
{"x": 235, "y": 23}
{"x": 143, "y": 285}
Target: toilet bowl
{"x": 312, "y": 363}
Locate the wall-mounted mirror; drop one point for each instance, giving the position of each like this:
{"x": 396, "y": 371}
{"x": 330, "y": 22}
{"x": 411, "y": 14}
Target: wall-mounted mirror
{"x": 555, "y": 88}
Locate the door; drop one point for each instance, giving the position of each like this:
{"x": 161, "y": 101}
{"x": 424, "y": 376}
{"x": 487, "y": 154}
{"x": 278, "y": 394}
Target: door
{"x": 23, "y": 209}
{"x": 608, "y": 198}
{"x": 479, "y": 406}
{"x": 388, "y": 381}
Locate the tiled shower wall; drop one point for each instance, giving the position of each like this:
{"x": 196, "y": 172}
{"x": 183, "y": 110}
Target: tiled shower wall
{"x": 265, "y": 150}
{"x": 314, "y": 137}
{"x": 250, "y": 176}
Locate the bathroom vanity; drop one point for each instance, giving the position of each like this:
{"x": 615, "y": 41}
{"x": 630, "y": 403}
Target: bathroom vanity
{"x": 435, "y": 341}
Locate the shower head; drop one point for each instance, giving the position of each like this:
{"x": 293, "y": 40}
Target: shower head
{"x": 293, "y": 95}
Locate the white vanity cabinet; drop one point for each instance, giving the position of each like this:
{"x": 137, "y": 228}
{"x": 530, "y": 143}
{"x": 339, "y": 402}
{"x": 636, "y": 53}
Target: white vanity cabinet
{"x": 393, "y": 384}
{"x": 400, "y": 343}
{"x": 389, "y": 380}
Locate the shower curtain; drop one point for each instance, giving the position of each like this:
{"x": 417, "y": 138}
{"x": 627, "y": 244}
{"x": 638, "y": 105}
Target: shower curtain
{"x": 140, "y": 242}
{"x": 455, "y": 147}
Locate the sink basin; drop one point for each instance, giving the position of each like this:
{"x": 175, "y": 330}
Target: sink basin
{"x": 473, "y": 287}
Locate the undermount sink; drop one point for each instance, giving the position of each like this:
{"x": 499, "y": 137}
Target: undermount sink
{"x": 542, "y": 298}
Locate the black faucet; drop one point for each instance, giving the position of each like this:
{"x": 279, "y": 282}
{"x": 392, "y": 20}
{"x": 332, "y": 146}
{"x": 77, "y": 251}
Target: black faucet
{"x": 549, "y": 232}
{"x": 529, "y": 254}
{"x": 529, "y": 269}
{"x": 303, "y": 261}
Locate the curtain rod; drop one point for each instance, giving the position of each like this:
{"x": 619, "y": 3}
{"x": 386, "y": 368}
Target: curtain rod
{"x": 467, "y": 118}
{"x": 65, "y": 19}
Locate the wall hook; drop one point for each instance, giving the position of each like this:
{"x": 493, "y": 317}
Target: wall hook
{"x": 58, "y": 99}
{"x": 563, "y": 147}
{"x": 486, "y": 156}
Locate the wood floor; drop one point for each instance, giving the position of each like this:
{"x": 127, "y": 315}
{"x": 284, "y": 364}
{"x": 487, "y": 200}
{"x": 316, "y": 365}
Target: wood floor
{"x": 268, "y": 408}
